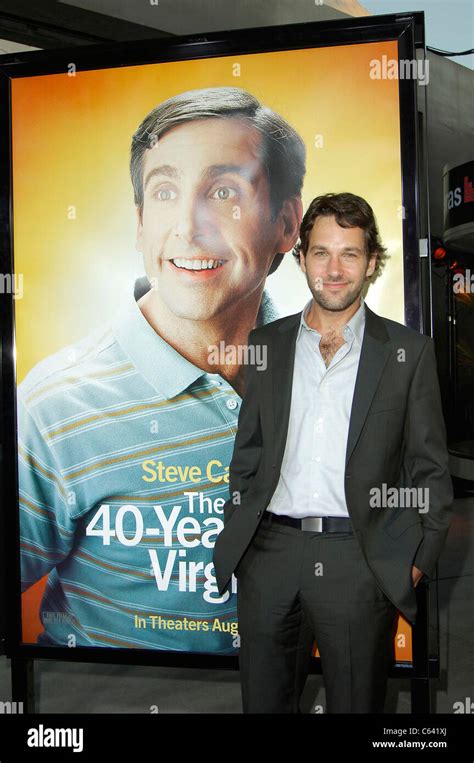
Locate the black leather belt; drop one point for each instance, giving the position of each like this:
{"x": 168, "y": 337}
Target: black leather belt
{"x": 312, "y": 524}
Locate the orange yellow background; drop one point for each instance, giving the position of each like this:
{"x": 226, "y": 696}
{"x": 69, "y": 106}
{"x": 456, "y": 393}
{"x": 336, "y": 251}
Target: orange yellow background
{"x": 74, "y": 218}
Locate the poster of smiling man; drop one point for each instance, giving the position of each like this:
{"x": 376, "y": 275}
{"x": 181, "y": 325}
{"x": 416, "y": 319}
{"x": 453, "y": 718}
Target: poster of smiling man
{"x": 156, "y": 209}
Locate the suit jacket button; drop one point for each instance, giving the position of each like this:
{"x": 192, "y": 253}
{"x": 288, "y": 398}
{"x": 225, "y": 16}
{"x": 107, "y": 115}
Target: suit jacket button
{"x": 258, "y": 513}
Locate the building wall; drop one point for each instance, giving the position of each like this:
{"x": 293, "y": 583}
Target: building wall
{"x": 450, "y": 140}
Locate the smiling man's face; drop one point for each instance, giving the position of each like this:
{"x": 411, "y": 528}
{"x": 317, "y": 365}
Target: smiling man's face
{"x": 206, "y": 231}
{"x": 336, "y": 264}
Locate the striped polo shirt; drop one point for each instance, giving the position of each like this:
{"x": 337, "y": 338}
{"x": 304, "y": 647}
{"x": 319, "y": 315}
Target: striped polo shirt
{"x": 124, "y": 447}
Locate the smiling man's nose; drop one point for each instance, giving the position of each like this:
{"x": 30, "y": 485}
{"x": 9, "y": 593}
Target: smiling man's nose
{"x": 334, "y": 266}
{"x": 190, "y": 218}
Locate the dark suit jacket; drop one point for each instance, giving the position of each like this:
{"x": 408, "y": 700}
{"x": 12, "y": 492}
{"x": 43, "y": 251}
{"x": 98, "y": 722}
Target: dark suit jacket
{"x": 396, "y": 436}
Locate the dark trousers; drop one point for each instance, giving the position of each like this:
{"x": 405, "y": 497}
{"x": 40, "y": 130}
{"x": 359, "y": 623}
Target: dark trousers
{"x": 295, "y": 586}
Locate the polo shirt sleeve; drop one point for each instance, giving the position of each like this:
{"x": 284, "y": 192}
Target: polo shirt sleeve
{"x": 47, "y": 521}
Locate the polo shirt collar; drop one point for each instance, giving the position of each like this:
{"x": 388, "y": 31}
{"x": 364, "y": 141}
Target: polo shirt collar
{"x": 161, "y": 365}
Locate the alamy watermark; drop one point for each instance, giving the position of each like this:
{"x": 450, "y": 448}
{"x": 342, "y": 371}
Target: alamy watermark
{"x": 43, "y": 736}
{"x": 465, "y": 706}
{"x": 242, "y": 354}
{"x": 11, "y": 708}
{"x": 12, "y": 283}
{"x": 403, "y": 68}
{"x": 386, "y": 497}
{"x": 463, "y": 283}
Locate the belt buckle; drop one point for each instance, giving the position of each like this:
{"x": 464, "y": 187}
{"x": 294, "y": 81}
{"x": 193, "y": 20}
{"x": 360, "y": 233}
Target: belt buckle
{"x": 312, "y": 524}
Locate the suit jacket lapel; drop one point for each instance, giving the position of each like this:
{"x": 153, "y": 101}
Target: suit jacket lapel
{"x": 373, "y": 357}
{"x": 374, "y": 354}
{"x": 282, "y": 379}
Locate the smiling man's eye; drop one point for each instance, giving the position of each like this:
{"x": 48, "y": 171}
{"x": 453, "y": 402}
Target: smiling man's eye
{"x": 223, "y": 193}
{"x": 164, "y": 194}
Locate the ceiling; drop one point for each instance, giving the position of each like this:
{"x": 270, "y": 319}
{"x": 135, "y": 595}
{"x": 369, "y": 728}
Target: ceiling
{"x": 191, "y": 16}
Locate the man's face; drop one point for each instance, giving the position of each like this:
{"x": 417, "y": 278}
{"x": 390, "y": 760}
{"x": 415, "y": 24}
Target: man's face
{"x": 207, "y": 203}
{"x": 336, "y": 264}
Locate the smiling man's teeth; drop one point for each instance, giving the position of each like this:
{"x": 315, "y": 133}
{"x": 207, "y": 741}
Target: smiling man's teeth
{"x": 198, "y": 264}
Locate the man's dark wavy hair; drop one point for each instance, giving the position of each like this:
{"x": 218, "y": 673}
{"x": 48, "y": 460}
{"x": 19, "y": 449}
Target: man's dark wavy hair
{"x": 350, "y": 211}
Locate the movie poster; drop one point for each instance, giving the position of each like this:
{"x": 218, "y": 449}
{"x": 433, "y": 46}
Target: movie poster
{"x": 155, "y": 212}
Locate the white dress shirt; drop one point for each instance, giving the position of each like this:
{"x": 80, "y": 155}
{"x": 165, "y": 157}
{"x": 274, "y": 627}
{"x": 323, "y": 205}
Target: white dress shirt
{"x": 311, "y": 480}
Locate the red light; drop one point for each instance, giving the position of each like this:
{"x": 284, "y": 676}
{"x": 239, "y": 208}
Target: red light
{"x": 439, "y": 253}
{"x": 453, "y": 265}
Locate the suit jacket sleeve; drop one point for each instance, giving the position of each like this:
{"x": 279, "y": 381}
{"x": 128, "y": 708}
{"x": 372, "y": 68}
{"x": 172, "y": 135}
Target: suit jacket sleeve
{"x": 248, "y": 441}
{"x": 426, "y": 457}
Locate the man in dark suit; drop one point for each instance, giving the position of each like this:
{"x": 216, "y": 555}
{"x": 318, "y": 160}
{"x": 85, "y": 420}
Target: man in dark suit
{"x": 340, "y": 494}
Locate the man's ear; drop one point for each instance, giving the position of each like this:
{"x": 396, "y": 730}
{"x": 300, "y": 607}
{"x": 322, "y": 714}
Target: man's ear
{"x": 371, "y": 265}
{"x": 290, "y": 215}
{"x": 139, "y": 241}
{"x": 302, "y": 262}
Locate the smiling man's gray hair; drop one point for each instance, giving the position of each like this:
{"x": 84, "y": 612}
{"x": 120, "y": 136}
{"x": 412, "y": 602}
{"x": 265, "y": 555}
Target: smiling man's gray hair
{"x": 283, "y": 153}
